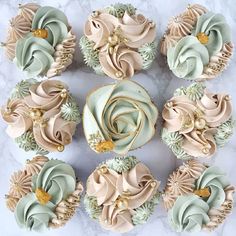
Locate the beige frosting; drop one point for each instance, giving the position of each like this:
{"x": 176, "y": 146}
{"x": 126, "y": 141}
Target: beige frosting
{"x": 116, "y": 219}
{"x": 103, "y": 186}
{"x": 16, "y": 115}
{"x": 9, "y": 47}
{"x": 178, "y": 114}
{"x": 56, "y": 133}
{"x": 47, "y": 95}
{"x": 123, "y": 60}
{"x": 11, "y": 202}
{"x": 217, "y": 108}
{"x": 138, "y": 185}
{"x": 20, "y": 184}
{"x": 28, "y": 10}
{"x": 34, "y": 166}
{"x": 194, "y": 11}
{"x": 63, "y": 55}
{"x": 168, "y": 41}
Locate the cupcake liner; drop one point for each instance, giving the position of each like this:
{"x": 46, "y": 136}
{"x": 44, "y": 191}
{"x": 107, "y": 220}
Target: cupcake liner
{"x": 118, "y": 42}
{"x": 40, "y": 41}
{"x": 121, "y": 193}
{"x": 197, "y": 197}
{"x": 41, "y": 201}
{"x": 192, "y": 35}
{"x": 41, "y": 116}
{"x": 197, "y": 122}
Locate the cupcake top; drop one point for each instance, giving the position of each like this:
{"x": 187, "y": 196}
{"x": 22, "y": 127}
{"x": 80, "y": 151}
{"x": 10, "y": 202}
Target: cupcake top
{"x": 45, "y": 194}
{"x": 119, "y": 117}
{"x": 197, "y": 197}
{"x": 197, "y": 44}
{"x": 121, "y": 193}
{"x": 197, "y": 121}
{"x": 40, "y": 41}
{"x": 41, "y": 116}
{"x": 118, "y": 42}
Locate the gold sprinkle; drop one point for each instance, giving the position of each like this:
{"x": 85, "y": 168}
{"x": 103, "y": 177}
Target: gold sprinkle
{"x": 203, "y": 38}
{"x": 40, "y": 33}
{"x": 105, "y": 146}
{"x": 204, "y": 192}
{"x": 42, "y": 196}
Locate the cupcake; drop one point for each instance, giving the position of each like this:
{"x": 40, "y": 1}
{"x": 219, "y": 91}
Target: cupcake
{"x": 197, "y": 197}
{"x": 121, "y": 193}
{"x": 119, "y": 117}
{"x": 45, "y": 194}
{"x": 197, "y": 44}
{"x": 40, "y": 41}
{"x": 197, "y": 122}
{"x": 41, "y": 116}
{"x": 118, "y": 42}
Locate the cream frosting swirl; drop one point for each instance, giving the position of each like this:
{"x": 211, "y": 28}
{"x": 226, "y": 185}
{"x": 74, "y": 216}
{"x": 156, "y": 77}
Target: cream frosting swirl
{"x": 188, "y": 58}
{"x": 189, "y": 214}
{"x": 34, "y": 55}
{"x": 121, "y": 113}
{"x": 217, "y": 108}
{"x": 16, "y": 115}
{"x": 47, "y": 95}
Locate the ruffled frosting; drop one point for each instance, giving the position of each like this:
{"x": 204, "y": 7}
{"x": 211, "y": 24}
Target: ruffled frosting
{"x": 34, "y": 56}
{"x": 121, "y": 113}
{"x": 189, "y": 214}
{"x": 215, "y": 27}
{"x": 31, "y": 215}
{"x": 54, "y": 21}
{"x": 16, "y": 115}
{"x": 188, "y": 58}
{"x": 57, "y": 179}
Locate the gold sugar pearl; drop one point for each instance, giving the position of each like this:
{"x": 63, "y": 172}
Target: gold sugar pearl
{"x": 227, "y": 98}
{"x": 113, "y": 40}
{"x": 35, "y": 114}
{"x": 169, "y": 104}
{"x": 205, "y": 151}
{"x": 60, "y": 148}
{"x": 119, "y": 74}
{"x": 40, "y": 33}
{"x": 102, "y": 170}
{"x": 153, "y": 184}
{"x": 203, "y": 38}
{"x": 122, "y": 203}
{"x": 63, "y": 93}
{"x": 200, "y": 123}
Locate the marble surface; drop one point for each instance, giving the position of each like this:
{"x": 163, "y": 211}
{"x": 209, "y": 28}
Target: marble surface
{"x": 160, "y": 83}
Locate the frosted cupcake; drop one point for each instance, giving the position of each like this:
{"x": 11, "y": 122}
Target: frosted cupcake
{"x": 197, "y": 197}
{"x": 45, "y": 194}
{"x": 118, "y": 42}
{"x": 119, "y": 117}
{"x": 197, "y": 122}
{"x": 40, "y": 41}
{"x": 41, "y": 116}
{"x": 197, "y": 44}
{"x": 121, "y": 193}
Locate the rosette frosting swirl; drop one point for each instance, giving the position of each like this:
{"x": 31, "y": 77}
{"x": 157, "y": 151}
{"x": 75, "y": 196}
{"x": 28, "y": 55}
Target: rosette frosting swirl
{"x": 122, "y": 114}
{"x": 188, "y": 58}
{"x": 189, "y": 214}
{"x": 47, "y": 95}
{"x": 31, "y": 215}
{"x": 54, "y": 21}
{"x": 34, "y": 55}
{"x": 214, "y": 26}
{"x": 138, "y": 185}
{"x": 216, "y": 181}
{"x": 57, "y": 179}
{"x": 16, "y": 115}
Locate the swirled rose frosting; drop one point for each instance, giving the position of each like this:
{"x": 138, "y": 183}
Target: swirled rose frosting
{"x": 119, "y": 117}
{"x": 117, "y": 41}
{"x": 192, "y": 118}
{"x": 121, "y": 194}
{"x": 204, "y": 204}
{"x": 195, "y": 43}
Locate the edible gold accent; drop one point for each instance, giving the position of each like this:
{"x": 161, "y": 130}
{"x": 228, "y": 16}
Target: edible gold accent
{"x": 60, "y": 148}
{"x": 63, "y": 93}
{"x": 105, "y": 146}
{"x": 102, "y": 170}
{"x": 42, "y": 196}
{"x": 205, "y": 150}
{"x": 203, "y": 38}
{"x": 204, "y": 192}
{"x": 40, "y": 33}
{"x": 122, "y": 203}
{"x": 200, "y": 123}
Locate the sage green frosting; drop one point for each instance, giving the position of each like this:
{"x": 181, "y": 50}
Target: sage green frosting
{"x": 56, "y": 178}
{"x": 213, "y": 178}
{"x": 92, "y": 207}
{"x": 31, "y": 215}
{"x": 34, "y": 55}
{"x": 26, "y": 141}
{"x": 216, "y": 28}
{"x": 189, "y": 214}
{"x": 188, "y": 58}
{"x": 119, "y": 9}
{"x": 70, "y": 112}
{"x": 54, "y": 21}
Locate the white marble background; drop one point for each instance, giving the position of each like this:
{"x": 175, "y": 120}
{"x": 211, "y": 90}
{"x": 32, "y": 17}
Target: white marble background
{"x": 160, "y": 83}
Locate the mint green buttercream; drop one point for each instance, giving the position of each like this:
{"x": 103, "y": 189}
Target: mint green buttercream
{"x": 119, "y": 9}
{"x": 189, "y": 214}
{"x": 91, "y": 207}
{"x": 34, "y": 56}
{"x": 70, "y": 112}
{"x": 213, "y": 178}
{"x": 54, "y": 21}
{"x": 26, "y": 141}
{"x": 216, "y": 28}
{"x": 188, "y": 58}
{"x": 195, "y": 91}
{"x": 31, "y": 215}
{"x": 56, "y": 178}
